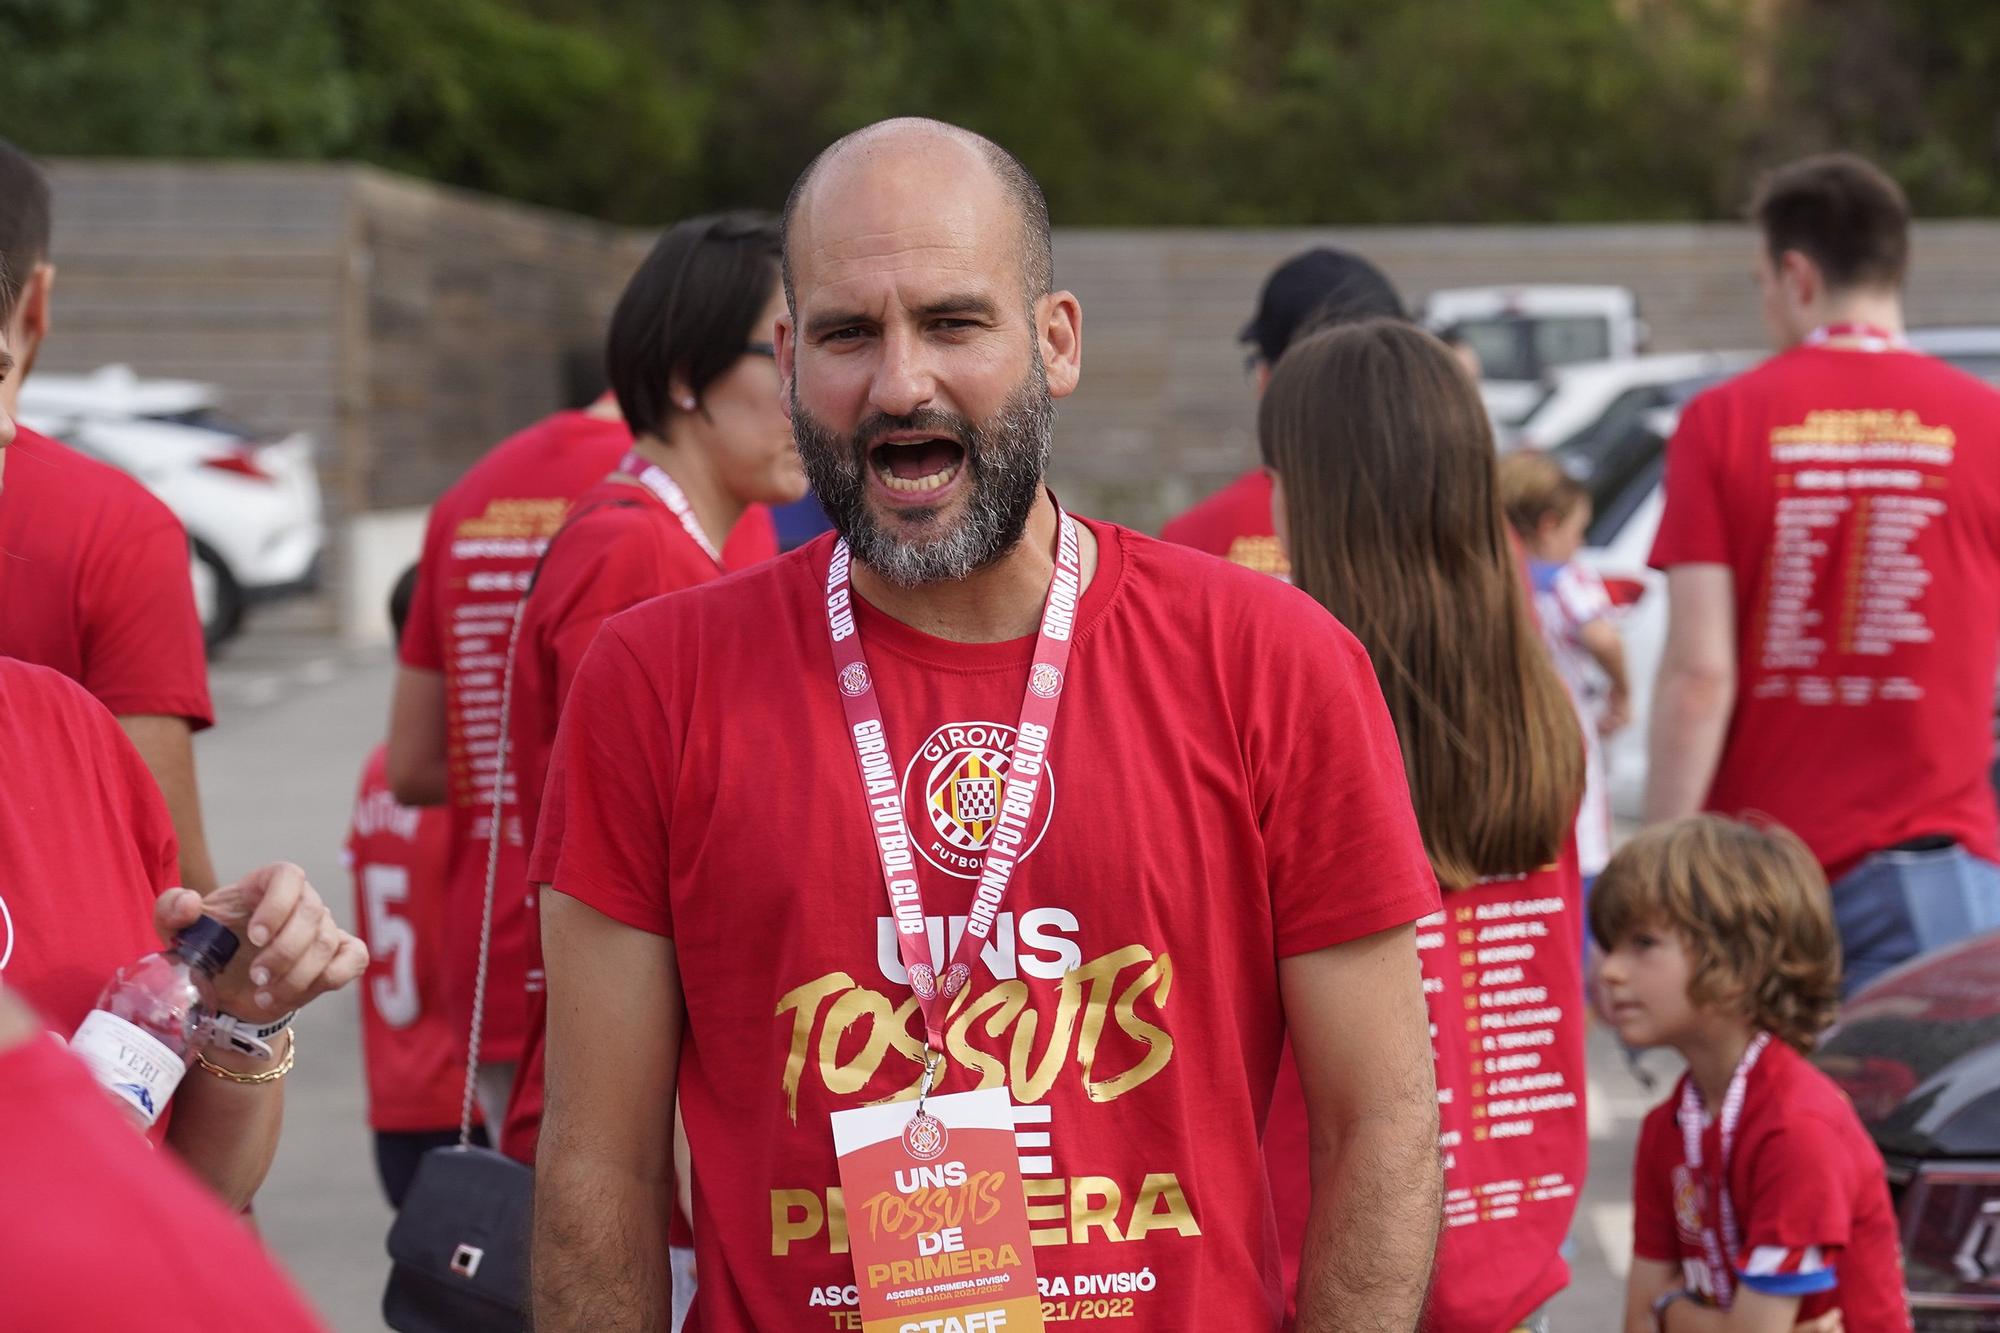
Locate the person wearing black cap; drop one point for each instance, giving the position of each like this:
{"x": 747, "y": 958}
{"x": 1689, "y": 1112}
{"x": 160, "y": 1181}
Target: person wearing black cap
{"x": 1309, "y": 291}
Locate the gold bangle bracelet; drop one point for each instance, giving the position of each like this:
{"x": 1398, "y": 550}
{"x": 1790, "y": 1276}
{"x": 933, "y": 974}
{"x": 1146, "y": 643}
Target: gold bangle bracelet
{"x": 271, "y": 1075}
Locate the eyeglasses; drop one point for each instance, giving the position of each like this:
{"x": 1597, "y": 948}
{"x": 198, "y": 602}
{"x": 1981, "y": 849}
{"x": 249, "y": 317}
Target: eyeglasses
{"x": 760, "y": 349}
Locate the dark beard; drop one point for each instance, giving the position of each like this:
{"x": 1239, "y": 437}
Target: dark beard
{"x": 1005, "y": 457}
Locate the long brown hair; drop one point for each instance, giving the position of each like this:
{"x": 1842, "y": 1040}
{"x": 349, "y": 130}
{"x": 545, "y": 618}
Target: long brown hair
{"x": 1393, "y": 514}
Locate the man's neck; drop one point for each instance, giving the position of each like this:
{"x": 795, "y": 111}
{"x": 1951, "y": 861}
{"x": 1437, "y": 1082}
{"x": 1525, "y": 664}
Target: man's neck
{"x": 1712, "y": 1060}
{"x": 715, "y": 508}
{"x": 1000, "y": 602}
{"x": 1869, "y": 309}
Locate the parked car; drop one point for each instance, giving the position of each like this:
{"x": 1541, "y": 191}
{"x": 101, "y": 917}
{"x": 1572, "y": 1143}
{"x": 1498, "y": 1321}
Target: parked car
{"x": 1521, "y": 333}
{"x": 251, "y": 506}
{"x": 1622, "y": 458}
{"x": 1918, "y": 1053}
{"x": 1603, "y": 395}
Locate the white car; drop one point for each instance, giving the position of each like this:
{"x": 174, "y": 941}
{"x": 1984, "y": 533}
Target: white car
{"x": 251, "y": 508}
{"x": 1521, "y": 333}
{"x": 1622, "y": 458}
{"x": 1591, "y": 393}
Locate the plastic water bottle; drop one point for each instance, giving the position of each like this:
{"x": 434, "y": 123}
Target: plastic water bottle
{"x": 143, "y": 1034}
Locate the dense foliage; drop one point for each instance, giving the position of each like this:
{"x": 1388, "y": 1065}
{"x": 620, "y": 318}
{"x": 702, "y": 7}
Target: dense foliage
{"x": 1131, "y": 111}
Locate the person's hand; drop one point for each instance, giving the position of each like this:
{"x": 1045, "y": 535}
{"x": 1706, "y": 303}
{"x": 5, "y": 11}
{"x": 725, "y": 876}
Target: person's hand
{"x": 1826, "y": 1323}
{"x": 291, "y": 948}
{"x": 1616, "y": 714}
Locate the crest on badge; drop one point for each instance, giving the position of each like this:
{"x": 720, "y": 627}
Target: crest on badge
{"x": 1046, "y": 680}
{"x": 955, "y": 978}
{"x": 924, "y": 1138}
{"x": 958, "y": 780}
{"x": 854, "y": 679}
{"x": 923, "y": 980}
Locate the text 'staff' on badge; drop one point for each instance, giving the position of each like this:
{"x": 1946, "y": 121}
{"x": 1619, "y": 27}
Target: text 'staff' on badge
{"x": 936, "y": 1217}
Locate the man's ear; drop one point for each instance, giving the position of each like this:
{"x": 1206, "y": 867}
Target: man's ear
{"x": 1059, "y": 334}
{"x": 33, "y": 315}
{"x": 787, "y": 355}
{"x": 1800, "y": 278}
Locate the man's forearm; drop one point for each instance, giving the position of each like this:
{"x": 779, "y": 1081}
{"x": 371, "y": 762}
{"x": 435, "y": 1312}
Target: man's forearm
{"x": 1684, "y": 742}
{"x": 600, "y": 1248}
{"x": 227, "y": 1132}
{"x": 166, "y": 744}
{"x": 1373, "y": 1231}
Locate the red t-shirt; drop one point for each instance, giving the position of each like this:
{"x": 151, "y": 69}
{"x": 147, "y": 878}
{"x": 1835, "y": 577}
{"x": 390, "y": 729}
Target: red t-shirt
{"x": 753, "y": 539}
{"x": 397, "y": 855}
{"x": 94, "y": 582}
{"x": 1235, "y": 523}
{"x": 101, "y": 1232}
{"x": 1807, "y": 1187}
{"x": 1224, "y": 789}
{"x": 1856, "y": 497}
{"x": 622, "y": 547}
{"x": 1503, "y": 978}
{"x": 485, "y": 535}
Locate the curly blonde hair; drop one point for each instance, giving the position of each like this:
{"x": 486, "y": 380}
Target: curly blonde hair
{"x": 1753, "y": 908}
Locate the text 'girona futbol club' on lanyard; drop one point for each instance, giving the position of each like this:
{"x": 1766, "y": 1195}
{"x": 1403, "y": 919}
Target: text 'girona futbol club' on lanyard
{"x": 655, "y": 479}
{"x": 1856, "y": 338}
{"x": 1720, "y": 1251}
{"x": 883, "y": 795}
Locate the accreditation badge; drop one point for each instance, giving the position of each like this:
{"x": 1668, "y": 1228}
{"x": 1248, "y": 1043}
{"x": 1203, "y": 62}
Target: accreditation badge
{"x": 937, "y": 1221}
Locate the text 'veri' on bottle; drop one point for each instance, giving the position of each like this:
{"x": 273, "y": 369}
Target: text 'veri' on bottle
{"x": 143, "y": 1033}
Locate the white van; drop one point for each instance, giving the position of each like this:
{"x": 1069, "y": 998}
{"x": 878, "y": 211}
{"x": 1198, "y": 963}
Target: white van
{"x": 1521, "y": 333}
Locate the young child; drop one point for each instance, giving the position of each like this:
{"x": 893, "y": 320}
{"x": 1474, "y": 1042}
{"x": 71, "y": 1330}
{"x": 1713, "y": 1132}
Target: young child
{"x": 1759, "y": 1201}
{"x": 1549, "y": 510}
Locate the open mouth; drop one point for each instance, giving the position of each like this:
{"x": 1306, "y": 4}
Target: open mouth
{"x": 917, "y": 466}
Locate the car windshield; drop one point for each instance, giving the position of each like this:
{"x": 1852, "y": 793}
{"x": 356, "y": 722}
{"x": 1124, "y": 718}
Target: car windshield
{"x": 1622, "y": 454}
{"x": 1525, "y": 347}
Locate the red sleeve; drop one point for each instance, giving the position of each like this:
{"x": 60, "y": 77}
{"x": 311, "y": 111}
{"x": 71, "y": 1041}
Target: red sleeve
{"x": 1336, "y": 807}
{"x": 1654, "y": 1235}
{"x": 420, "y": 649}
{"x": 622, "y": 572}
{"x": 1693, "y": 527}
{"x": 1800, "y": 1213}
{"x": 603, "y": 834}
{"x": 142, "y": 644}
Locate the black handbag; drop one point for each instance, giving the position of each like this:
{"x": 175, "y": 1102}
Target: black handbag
{"x": 459, "y": 1246}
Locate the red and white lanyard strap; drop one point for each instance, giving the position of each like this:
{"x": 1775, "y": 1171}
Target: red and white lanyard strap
{"x": 882, "y": 793}
{"x": 1720, "y": 1251}
{"x": 1856, "y": 338}
{"x": 655, "y": 479}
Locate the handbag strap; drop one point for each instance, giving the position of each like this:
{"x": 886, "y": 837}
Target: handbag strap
{"x": 493, "y": 834}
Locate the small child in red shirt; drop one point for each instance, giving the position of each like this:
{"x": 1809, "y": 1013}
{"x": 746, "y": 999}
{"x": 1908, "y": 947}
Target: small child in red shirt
{"x": 1759, "y": 1201}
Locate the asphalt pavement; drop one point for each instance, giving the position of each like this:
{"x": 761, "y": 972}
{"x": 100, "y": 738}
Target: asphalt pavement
{"x": 297, "y": 715}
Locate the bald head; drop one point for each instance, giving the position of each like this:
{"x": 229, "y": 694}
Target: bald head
{"x": 935, "y": 158}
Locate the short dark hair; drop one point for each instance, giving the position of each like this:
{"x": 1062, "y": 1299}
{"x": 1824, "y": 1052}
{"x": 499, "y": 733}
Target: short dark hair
{"x": 400, "y": 598}
{"x": 24, "y": 222}
{"x": 688, "y": 312}
{"x": 1842, "y": 212}
{"x": 1031, "y": 207}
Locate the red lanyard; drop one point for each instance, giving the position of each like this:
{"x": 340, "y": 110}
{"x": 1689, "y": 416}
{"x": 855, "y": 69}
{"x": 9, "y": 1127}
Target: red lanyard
{"x": 1856, "y": 337}
{"x": 655, "y": 479}
{"x": 1720, "y": 1251}
{"x": 882, "y": 793}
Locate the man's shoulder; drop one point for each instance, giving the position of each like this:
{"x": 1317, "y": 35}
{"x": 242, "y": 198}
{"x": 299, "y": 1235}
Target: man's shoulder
{"x": 50, "y": 703}
{"x": 563, "y": 441}
{"x": 751, "y": 602}
{"x": 91, "y": 492}
{"x": 1212, "y": 597}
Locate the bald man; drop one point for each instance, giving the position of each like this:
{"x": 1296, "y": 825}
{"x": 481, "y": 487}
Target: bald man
{"x": 978, "y": 797}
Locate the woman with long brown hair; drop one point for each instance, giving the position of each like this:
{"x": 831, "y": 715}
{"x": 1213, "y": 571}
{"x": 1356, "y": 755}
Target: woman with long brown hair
{"x": 1387, "y": 499}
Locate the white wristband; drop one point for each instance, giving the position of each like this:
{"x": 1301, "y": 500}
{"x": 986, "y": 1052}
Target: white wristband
{"x": 243, "y": 1037}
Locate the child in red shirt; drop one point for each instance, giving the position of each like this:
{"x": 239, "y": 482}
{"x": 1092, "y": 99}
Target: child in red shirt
{"x": 1759, "y": 1201}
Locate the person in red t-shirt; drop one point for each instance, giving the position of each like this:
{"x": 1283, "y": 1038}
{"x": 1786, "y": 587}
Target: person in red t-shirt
{"x": 1495, "y": 757}
{"x": 95, "y": 580}
{"x": 691, "y": 366}
{"x": 83, "y": 1191}
{"x": 1831, "y": 540}
{"x": 1312, "y": 290}
{"x": 1189, "y": 866}
{"x": 1758, "y": 1200}
{"x": 398, "y": 855}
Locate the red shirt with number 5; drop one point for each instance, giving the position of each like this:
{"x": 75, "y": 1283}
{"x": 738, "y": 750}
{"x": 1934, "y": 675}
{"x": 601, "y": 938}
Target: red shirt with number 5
{"x": 397, "y": 854}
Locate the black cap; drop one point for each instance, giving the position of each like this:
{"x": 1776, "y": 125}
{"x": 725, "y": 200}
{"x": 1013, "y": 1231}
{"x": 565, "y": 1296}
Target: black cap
{"x": 1325, "y": 285}
{"x": 208, "y": 944}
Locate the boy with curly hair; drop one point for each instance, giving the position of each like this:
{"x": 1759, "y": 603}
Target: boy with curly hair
{"x": 1759, "y": 1201}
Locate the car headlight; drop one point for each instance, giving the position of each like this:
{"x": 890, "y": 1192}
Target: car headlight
{"x": 1951, "y": 1241}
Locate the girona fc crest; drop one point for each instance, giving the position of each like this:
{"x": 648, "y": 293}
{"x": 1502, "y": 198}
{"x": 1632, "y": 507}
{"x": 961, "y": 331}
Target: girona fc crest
{"x": 953, "y": 791}
{"x": 854, "y": 679}
{"x": 924, "y": 1138}
{"x": 923, "y": 980}
{"x": 1046, "y": 680}
{"x": 955, "y": 978}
